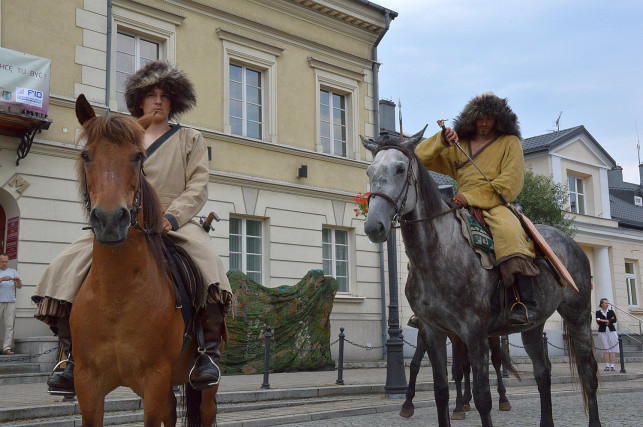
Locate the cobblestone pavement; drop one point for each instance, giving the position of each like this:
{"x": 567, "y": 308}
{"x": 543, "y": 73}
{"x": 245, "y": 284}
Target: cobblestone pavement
{"x": 617, "y": 409}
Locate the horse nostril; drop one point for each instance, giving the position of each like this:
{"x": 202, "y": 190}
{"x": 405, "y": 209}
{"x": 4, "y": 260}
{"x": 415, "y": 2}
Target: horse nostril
{"x": 122, "y": 216}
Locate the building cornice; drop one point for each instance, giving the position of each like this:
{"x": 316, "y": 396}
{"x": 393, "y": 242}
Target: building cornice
{"x": 208, "y": 8}
{"x": 248, "y": 42}
{"x": 160, "y": 9}
{"x": 280, "y": 148}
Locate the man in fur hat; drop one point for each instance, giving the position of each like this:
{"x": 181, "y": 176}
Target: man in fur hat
{"x": 488, "y": 130}
{"x": 176, "y": 166}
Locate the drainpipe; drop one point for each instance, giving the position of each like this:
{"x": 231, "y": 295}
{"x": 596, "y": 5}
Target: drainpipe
{"x": 376, "y": 108}
{"x": 108, "y": 62}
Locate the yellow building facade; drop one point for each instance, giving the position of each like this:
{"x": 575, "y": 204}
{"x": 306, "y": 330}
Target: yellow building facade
{"x": 284, "y": 89}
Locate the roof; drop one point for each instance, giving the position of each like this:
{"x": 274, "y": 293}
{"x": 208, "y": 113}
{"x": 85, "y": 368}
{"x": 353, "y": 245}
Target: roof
{"x": 626, "y": 213}
{"x": 550, "y": 141}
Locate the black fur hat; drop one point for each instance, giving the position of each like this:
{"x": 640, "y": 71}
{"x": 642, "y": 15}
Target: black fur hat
{"x": 487, "y": 105}
{"x": 163, "y": 75}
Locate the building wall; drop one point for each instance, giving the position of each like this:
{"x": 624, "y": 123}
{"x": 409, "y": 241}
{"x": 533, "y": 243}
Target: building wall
{"x": 299, "y": 49}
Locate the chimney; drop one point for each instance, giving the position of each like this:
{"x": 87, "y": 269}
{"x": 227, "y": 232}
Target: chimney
{"x": 387, "y": 115}
{"x": 615, "y": 177}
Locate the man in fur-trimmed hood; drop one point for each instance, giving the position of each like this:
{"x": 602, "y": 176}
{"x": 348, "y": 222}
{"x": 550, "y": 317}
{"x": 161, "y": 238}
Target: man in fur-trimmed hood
{"x": 487, "y": 104}
{"x": 177, "y": 166}
{"x": 488, "y": 130}
{"x": 162, "y": 75}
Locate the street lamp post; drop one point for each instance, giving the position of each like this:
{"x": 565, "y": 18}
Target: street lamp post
{"x": 395, "y": 374}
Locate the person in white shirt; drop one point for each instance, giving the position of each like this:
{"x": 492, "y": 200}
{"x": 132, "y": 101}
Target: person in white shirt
{"x": 9, "y": 282}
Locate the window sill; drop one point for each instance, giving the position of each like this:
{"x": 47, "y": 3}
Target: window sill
{"x": 348, "y": 298}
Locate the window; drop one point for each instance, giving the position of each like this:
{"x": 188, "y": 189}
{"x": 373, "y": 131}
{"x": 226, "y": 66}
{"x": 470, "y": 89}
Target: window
{"x": 337, "y": 115}
{"x": 576, "y": 195}
{"x": 335, "y": 256}
{"x": 246, "y": 247}
{"x": 332, "y": 107}
{"x": 630, "y": 281}
{"x": 132, "y": 53}
{"x": 249, "y": 86}
{"x": 638, "y": 200}
{"x": 246, "y": 101}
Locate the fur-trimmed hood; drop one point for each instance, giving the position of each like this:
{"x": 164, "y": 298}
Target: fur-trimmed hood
{"x": 163, "y": 75}
{"x": 487, "y": 105}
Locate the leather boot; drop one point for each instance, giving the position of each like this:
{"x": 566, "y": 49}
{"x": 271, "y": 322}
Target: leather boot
{"x": 522, "y": 312}
{"x": 206, "y": 370}
{"x": 63, "y": 382}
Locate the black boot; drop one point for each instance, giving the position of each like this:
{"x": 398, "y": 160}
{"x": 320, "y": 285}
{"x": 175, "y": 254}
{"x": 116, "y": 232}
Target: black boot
{"x": 522, "y": 311}
{"x": 206, "y": 371}
{"x": 63, "y": 382}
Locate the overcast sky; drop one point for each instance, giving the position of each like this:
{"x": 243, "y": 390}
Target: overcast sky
{"x": 581, "y": 57}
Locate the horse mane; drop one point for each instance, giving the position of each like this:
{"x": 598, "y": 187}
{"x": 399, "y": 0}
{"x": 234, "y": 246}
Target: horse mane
{"x": 121, "y": 130}
{"x": 428, "y": 187}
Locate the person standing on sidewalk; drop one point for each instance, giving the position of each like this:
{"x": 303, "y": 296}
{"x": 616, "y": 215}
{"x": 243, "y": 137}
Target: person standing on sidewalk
{"x": 9, "y": 282}
{"x": 607, "y": 335}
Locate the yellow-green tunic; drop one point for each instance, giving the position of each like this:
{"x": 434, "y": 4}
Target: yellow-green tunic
{"x": 178, "y": 171}
{"x": 503, "y": 163}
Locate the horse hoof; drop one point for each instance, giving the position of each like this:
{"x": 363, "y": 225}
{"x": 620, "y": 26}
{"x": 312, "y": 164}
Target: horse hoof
{"x": 466, "y": 407}
{"x": 407, "y": 413}
{"x": 505, "y": 406}
{"x": 458, "y": 416}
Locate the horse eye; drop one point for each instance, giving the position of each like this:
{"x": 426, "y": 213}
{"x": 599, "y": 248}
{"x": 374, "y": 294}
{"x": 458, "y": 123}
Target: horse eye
{"x": 85, "y": 156}
{"x": 400, "y": 170}
{"x": 138, "y": 158}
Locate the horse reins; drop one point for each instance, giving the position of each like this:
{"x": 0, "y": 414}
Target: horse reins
{"x": 410, "y": 177}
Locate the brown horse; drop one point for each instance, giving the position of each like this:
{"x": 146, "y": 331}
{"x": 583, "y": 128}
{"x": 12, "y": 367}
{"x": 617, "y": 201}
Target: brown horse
{"x": 125, "y": 325}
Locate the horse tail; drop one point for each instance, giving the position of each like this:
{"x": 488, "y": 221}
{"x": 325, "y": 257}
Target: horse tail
{"x": 192, "y": 415}
{"x": 571, "y": 348}
{"x": 507, "y": 363}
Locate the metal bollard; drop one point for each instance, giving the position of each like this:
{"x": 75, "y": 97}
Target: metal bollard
{"x": 621, "y": 355}
{"x": 266, "y": 359}
{"x": 340, "y": 362}
{"x": 504, "y": 347}
{"x": 545, "y": 349}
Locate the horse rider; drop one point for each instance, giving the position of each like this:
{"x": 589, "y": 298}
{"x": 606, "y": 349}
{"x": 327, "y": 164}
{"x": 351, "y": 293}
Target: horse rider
{"x": 176, "y": 166}
{"x": 488, "y": 129}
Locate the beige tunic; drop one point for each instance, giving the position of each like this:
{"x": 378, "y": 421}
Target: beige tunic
{"x": 178, "y": 171}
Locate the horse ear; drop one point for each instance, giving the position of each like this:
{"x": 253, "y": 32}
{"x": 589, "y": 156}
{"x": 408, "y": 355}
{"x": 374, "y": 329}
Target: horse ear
{"x": 146, "y": 120}
{"x": 84, "y": 110}
{"x": 410, "y": 143}
{"x": 369, "y": 144}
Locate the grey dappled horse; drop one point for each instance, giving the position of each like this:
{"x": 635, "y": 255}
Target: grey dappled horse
{"x": 460, "y": 369}
{"x": 450, "y": 291}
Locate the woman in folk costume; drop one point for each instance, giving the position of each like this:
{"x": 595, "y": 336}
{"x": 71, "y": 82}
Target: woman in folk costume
{"x": 488, "y": 129}
{"x": 176, "y": 166}
{"x": 607, "y": 335}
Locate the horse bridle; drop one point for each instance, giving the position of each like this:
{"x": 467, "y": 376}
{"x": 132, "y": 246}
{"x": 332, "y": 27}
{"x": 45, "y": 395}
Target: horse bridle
{"x": 404, "y": 193}
{"x": 136, "y": 203}
{"x": 410, "y": 177}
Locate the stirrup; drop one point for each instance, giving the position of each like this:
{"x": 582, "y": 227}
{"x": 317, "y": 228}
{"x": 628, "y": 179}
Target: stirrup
{"x": 57, "y": 391}
{"x": 206, "y": 385}
{"x": 511, "y": 310}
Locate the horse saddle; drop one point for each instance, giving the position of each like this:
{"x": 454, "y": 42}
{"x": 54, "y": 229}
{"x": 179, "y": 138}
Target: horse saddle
{"x": 188, "y": 287}
{"x": 478, "y": 235}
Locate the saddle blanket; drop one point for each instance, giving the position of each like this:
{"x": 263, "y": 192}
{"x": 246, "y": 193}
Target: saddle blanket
{"x": 478, "y": 238}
